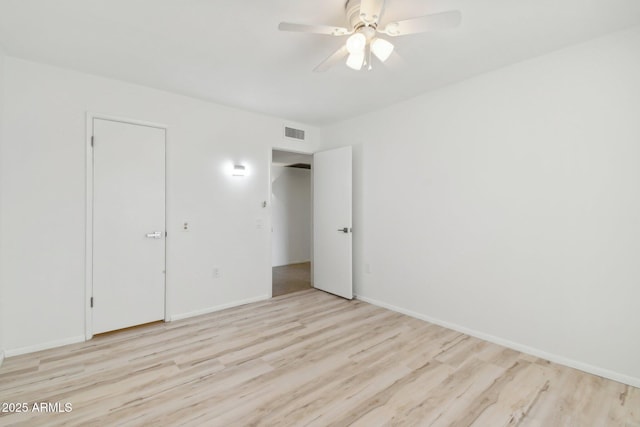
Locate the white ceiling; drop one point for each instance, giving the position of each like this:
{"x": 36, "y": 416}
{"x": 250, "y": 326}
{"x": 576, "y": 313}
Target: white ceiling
{"x": 230, "y": 51}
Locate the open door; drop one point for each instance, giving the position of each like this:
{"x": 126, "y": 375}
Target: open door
{"x": 332, "y": 237}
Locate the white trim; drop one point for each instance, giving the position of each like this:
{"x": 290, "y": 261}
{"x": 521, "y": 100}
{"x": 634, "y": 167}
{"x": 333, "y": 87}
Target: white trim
{"x": 167, "y": 305}
{"x": 606, "y": 373}
{"x": 88, "y": 222}
{"x": 91, "y": 115}
{"x": 269, "y": 201}
{"x": 307, "y": 152}
{"x": 270, "y": 204}
{"x": 218, "y": 307}
{"x": 44, "y": 346}
{"x": 89, "y": 211}
{"x": 1, "y": 357}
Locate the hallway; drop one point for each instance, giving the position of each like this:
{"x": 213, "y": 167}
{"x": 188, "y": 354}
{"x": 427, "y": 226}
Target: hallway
{"x": 291, "y": 278}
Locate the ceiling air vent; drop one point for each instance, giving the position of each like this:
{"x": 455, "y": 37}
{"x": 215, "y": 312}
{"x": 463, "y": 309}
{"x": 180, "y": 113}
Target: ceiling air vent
{"x": 294, "y": 133}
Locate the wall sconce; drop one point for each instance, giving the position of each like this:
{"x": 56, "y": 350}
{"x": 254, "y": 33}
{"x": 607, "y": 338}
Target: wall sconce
{"x": 239, "y": 170}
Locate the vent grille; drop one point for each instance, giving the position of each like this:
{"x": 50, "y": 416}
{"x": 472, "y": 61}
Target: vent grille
{"x": 294, "y": 133}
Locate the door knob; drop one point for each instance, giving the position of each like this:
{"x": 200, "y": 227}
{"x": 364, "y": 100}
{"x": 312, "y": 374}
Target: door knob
{"x": 154, "y": 235}
{"x": 344, "y": 230}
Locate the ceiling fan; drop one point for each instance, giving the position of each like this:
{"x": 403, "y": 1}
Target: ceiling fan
{"x": 364, "y": 18}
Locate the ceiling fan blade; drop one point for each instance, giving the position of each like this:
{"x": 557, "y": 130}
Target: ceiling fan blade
{"x": 332, "y": 60}
{"x": 314, "y": 29}
{"x": 396, "y": 62}
{"x": 433, "y": 22}
{"x": 371, "y": 11}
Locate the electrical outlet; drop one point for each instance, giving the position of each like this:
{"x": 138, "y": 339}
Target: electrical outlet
{"x": 185, "y": 226}
{"x": 216, "y": 272}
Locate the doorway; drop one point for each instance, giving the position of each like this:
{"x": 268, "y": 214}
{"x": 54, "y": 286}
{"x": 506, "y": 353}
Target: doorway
{"x": 292, "y": 227}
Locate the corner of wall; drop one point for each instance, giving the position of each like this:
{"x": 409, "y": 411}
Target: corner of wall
{"x": 490, "y": 172}
{"x": 513, "y": 345}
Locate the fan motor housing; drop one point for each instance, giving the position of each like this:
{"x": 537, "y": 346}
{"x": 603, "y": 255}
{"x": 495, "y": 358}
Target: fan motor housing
{"x": 352, "y": 10}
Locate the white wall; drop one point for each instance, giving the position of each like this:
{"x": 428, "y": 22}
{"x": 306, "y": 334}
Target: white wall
{"x": 43, "y": 188}
{"x": 291, "y": 215}
{"x": 508, "y": 205}
{"x": 2, "y": 347}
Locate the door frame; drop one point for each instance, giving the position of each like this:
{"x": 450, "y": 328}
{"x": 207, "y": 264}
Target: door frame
{"x": 88, "y": 262}
{"x": 270, "y": 194}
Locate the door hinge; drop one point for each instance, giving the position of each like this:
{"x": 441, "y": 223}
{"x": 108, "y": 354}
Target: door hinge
{"x": 91, "y": 302}
{"x": 92, "y": 140}
{"x": 166, "y": 234}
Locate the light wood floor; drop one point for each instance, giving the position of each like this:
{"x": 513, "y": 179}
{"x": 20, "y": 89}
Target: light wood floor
{"x": 307, "y": 358}
{"x": 291, "y": 278}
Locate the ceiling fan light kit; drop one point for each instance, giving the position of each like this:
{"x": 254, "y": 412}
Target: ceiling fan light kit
{"x": 364, "y": 18}
{"x": 359, "y": 46}
{"x": 381, "y": 48}
{"x": 356, "y": 43}
{"x": 355, "y": 61}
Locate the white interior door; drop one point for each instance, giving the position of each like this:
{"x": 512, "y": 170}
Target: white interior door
{"x": 332, "y": 237}
{"x": 128, "y": 225}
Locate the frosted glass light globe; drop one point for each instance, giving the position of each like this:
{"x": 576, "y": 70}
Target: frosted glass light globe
{"x": 356, "y": 43}
{"x": 355, "y": 60}
{"x": 381, "y": 49}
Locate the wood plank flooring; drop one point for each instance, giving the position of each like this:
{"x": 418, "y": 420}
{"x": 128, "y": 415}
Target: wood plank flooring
{"x": 306, "y": 359}
{"x": 291, "y": 278}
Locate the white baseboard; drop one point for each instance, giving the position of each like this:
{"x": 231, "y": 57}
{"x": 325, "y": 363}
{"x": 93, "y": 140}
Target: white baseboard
{"x": 43, "y": 346}
{"x": 217, "y": 308}
{"x": 1, "y": 357}
{"x": 74, "y": 340}
{"x": 556, "y": 358}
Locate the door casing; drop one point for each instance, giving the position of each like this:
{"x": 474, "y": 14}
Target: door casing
{"x": 270, "y": 162}
{"x": 270, "y": 193}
